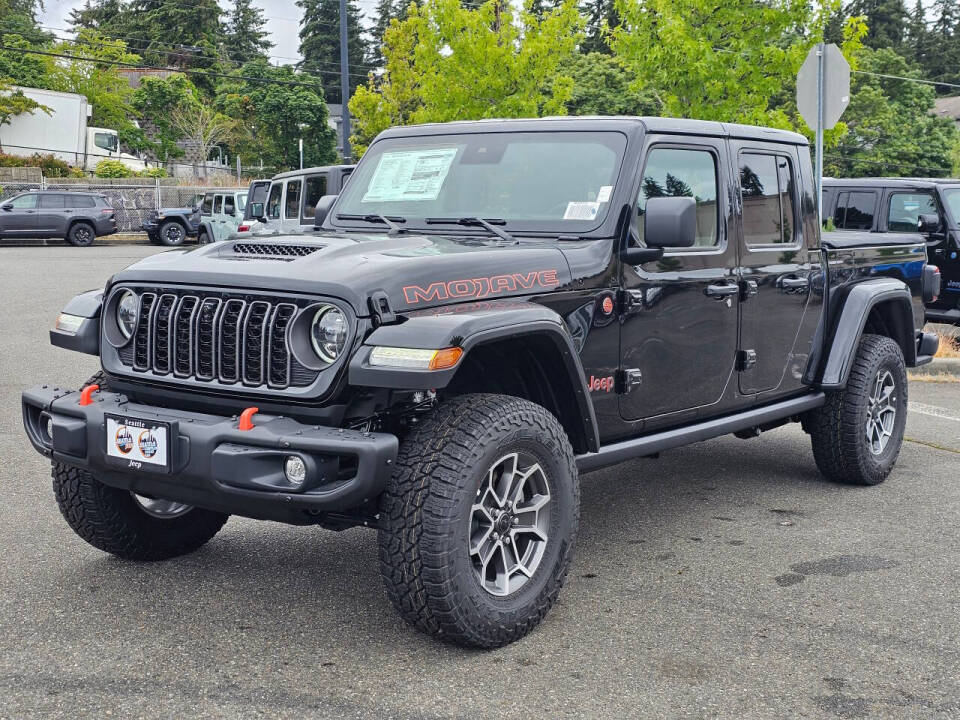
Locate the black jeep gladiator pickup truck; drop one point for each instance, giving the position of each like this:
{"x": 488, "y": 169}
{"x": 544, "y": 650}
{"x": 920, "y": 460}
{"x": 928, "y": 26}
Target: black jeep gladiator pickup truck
{"x": 490, "y": 309}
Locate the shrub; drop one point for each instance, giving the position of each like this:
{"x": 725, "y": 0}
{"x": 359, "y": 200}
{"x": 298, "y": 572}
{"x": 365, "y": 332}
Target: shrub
{"x": 153, "y": 172}
{"x": 112, "y": 169}
{"x": 50, "y": 166}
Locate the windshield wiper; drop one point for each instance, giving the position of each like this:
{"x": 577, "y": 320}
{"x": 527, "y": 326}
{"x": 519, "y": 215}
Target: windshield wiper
{"x": 390, "y": 222}
{"x": 489, "y": 224}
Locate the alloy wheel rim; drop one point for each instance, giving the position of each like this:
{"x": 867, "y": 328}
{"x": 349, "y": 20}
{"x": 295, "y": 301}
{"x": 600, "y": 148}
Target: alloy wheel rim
{"x": 174, "y": 233}
{"x": 509, "y": 524}
{"x": 881, "y": 411}
{"x": 83, "y": 235}
{"x": 160, "y": 508}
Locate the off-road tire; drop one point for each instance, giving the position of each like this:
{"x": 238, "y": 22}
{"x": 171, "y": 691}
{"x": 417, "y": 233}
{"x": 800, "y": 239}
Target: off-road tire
{"x": 81, "y": 234}
{"x": 425, "y": 519}
{"x": 202, "y": 237}
{"x": 837, "y": 429}
{"x": 171, "y": 233}
{"x": 111, "y": 520}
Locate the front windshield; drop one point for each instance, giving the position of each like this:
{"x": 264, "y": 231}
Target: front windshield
{"x": 549, "y": 182}
{"x": 952, "y": 198}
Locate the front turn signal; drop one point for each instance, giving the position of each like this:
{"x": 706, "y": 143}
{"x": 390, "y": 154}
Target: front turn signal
{"x": 415, "y": 358}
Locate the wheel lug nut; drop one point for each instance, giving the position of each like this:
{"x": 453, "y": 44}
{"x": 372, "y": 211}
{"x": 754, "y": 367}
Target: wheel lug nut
{"x": 516, "y": 521}
{"x": 507, "y": 540}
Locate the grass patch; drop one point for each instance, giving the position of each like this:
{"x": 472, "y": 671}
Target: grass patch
{"x": 949, "y": 345}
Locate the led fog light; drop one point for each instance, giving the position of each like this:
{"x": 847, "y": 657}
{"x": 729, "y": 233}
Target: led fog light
{"x": 295, "y": 470}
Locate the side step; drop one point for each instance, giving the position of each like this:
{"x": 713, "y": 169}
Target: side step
{"x": 677, "y": 437}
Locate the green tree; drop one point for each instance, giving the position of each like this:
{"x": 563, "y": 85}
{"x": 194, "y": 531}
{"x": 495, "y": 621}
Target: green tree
{"x": 601, "y": 18}
{"x": 270, "y": 117}
{"x": 943, "y": 59}
{"x": 726, "y": 61}
{"x": 890, "y": 128}
{"x": 19, "y": 17}
{"x": 154, "y": 103}
{"x": 244, "y": 38}
{"x": 20, "y": 68}
{"x": 446, "y": 62}
{"x": 602, "y": 86}
{"x": 886, "y": 21}
{"x": 320, "y": 44}
{"x": 917, "y": 37}
{"x": 385, "y": 11}
{"x": 108, "y": 16}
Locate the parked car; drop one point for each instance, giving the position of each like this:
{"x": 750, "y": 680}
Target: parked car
{"x": 76, "y": 217}
{"x": 489, "y": 309}
{"x": 286, "y": 204}
{"x": 173, "y": 225}
{"x": 906, "y": 205}
{"x": 221, "y": 213}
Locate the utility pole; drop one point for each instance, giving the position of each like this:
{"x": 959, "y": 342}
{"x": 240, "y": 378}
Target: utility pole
{"x": 344, "y": 83}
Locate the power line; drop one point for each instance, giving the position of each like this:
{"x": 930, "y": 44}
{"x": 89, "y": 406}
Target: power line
{"x": 907, "y": 79}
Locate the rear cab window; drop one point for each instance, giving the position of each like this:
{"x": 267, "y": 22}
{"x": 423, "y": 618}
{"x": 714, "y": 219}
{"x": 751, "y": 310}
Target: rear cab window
{"x": 855, "y": 210}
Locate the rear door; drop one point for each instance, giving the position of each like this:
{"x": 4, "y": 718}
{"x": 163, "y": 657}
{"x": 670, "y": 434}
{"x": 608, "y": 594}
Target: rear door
{"x": 51, "y": 214}
{"x": 292, "y": 205}
{"x": 678, "y": 334}
{"x": 18, "y": 217}
{"x": 855, "y": 209}
{"x": 774, "y": 267}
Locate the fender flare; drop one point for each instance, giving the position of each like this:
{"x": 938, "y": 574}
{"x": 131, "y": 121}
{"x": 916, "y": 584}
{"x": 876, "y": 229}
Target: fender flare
{"x": 848, "y": 328}
{"x": 470, "y": 326}
{"x": 203, "y": 225}
{"x": 86, "y": 339}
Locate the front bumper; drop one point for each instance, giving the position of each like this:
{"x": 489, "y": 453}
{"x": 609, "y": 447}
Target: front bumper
{"x": 213, "y": 464}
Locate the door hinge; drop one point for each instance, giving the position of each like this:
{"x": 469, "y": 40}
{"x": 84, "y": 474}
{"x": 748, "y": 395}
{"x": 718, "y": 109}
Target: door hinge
{"x": 748, "y": 289}
{"x": 628, "y": 379}
{"x": 629, "y": 300}
{"x": 746, "y": 359}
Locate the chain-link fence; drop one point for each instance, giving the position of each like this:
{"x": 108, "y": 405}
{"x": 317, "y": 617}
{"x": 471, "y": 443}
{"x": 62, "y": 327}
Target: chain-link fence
{"x": 132, "y": 198}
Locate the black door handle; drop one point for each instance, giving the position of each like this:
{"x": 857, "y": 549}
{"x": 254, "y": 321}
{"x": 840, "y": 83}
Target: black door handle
{"x": 722, "y": 291}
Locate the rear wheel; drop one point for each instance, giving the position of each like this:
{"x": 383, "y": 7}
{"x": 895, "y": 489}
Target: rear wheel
{"x": 480, "y": 519}
{"x": 858, "y": 433}
{"x": 81, "y": 234}
{"x": 171, "y": 233}
{"x": 203, "y": 238}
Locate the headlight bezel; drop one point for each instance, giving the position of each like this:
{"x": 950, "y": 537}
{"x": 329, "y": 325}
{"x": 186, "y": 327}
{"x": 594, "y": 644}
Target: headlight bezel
{"x": 318, "y": 315}
{"x": 110, "y": 319}
{"x": 124, "y": 294}
{"x": 300, "y": 335}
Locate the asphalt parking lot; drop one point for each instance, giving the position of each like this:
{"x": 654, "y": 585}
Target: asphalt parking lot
{"x": 722, "y": 580}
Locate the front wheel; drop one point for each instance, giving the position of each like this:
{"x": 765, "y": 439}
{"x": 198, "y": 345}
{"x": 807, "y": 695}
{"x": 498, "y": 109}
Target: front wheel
{"x": 479, "y": 520}
{"x": 858, "y": 433}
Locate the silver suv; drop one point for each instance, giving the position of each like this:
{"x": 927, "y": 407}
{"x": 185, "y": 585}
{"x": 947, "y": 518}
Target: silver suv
{"x": 76, "y": 217}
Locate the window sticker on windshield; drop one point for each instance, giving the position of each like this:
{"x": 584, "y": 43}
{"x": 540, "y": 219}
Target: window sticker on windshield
{"x": 581, "y": 210}
{"x": 604, "y": 194}
{"x": 409, "y": 175}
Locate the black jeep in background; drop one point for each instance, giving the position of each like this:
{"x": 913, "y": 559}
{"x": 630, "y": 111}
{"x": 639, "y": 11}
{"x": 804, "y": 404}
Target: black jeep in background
{"x": 172, "y": 226}
{"x": 488, "y": 310}
{"x": 76, "y": 217}
{"x": 906, "y": 205}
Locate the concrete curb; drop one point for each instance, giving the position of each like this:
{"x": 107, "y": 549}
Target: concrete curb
{"x": 131, "y": 238}
{"x": 940, "y": 366}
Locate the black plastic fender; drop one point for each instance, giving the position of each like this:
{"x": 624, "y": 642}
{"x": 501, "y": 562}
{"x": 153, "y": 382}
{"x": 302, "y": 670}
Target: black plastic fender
{"x": 205, "y": 225}
{"x": 857, "y": 304}
{"x": 469, "y": 326}
{"x": 87, "y": 337}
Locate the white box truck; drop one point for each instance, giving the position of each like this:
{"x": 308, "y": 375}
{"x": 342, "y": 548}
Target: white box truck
{"x": 63, "y": 132}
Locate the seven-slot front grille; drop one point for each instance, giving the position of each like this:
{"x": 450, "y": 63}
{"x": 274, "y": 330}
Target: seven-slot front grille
{"x": 209, "y": 337}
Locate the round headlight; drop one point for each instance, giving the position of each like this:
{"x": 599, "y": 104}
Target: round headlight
{"x": 127, "y": 313}
{"x": 328, "y": 333}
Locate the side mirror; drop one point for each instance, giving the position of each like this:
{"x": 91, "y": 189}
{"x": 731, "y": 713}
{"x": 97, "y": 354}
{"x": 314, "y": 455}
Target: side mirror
{"x": 928, "y": 224}
{"x": 8, "y": 207}
{"x": 256, "y": 211}
{"x": 195, "y": 209}
{"x": 323, "y": 209}
{"x": 670, "y": 222}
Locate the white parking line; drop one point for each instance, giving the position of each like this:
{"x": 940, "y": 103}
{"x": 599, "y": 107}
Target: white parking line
{"x": 931, "y": 410}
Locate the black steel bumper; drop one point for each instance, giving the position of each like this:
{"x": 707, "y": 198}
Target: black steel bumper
{"x": 212, "y": 463}
{"x": 945, "y": 316}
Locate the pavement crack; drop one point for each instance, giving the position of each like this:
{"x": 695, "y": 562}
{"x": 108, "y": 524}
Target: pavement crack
{"x": 935, "y": 446}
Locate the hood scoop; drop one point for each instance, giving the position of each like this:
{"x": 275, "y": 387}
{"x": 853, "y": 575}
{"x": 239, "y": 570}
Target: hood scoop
{"x": 274, "y": 250}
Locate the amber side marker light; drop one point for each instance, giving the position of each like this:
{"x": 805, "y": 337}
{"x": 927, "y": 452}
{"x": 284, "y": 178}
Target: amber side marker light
{"x": 415, "y": 358}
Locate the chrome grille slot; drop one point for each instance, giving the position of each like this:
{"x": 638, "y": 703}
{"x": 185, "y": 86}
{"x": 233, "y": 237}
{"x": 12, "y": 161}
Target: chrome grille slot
{"x": 255, "y": 341}
{"x": 183, "y": 335}
{"x": 231, "y": 320}
{"x": 162, "y": 333}
{"x": 218, "y": 338}
{"x": 205, "y": 339}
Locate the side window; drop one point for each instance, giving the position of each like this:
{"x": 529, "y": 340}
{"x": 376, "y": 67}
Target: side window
{"x": 292, "y": 205}
{"x": 83, "y": 201}
{"x": 206, "y": 207}
{"x": 51, "y": 201}
{"x": 217, "y": 204}
{"x": 688, "y": 173}
{"x": 766, "y": 187}
{"x": 25, "y": 202}
{"x": 906, "y": 208}
{"x": 229, "y": 205}
{"x": 855, "y": 210}
{"x": 273, "y": 202}
{"x": 316, "y": 189}
{"x": 105, "y": 141}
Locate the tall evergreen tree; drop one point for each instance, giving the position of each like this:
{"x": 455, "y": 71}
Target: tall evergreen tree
{"x": 886, "y": 20}
{"x": 943, "y": 61}
{"x": 320, "y": 45}
{"x": 244, "y": 34}
{"x": 601, "y": 17}
{"x": 916, "y": 42}
{"x": 385, "y": 11}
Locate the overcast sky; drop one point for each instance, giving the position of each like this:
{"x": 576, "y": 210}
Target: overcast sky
{"x": 283, "y": 17}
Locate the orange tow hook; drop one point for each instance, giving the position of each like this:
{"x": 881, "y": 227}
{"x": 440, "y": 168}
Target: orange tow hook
{"x": 86, "y": 395}
{"x": 246, "y": 418}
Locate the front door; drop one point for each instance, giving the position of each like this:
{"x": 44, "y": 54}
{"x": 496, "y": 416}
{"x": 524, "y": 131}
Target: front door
{"x": 774, "y": 268}
{"x": 19, "y": 216}
{"x": 679, "y": 329}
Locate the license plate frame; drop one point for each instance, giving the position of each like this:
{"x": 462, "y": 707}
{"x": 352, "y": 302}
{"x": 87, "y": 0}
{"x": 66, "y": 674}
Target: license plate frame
{"x": 149, "y": 443}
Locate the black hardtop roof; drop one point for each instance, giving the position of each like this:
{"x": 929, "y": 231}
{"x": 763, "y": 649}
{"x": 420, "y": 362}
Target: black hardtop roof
{"x": 679, "y": 126}
{"x": 894, "y": 182}
{"x": 310, "y": 171}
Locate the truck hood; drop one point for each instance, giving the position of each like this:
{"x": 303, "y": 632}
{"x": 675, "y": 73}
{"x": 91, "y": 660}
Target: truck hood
{"x": 415, "y": 271}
